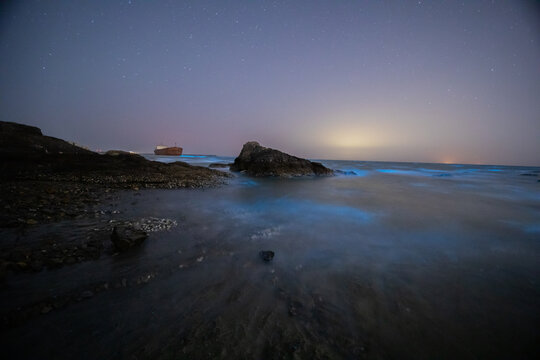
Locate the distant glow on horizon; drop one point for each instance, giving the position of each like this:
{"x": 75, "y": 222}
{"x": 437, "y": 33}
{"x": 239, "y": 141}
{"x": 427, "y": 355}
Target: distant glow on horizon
{"x": 447, "y": 160}
{"x": 451, "y": 81}
{"x": 355, "y": 132}
{"x": 352, "y": 139}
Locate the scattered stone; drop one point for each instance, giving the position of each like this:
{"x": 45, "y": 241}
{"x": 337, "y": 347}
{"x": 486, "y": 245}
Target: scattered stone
{"x": 267, "y": 255}
{"x": 37, "y": 265}
{"x": 124, "y": 238}
{"x": 46, "y": 309}
{"x": 153, "y": 224}
{"x": 219, "y": 165}
{"x": 257, "y": 160}
{"x": 292, "y": 310}
{"x": 52, "y": 179}
{"x": 294, "y": 306}
{"x": 87, "y": 294}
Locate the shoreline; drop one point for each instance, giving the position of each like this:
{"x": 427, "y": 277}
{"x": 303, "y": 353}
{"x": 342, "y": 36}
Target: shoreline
{"x": 44, "y": 180}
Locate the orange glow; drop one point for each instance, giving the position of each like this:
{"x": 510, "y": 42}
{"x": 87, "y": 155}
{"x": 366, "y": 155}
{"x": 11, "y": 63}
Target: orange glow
{"x": 448, "y": 160}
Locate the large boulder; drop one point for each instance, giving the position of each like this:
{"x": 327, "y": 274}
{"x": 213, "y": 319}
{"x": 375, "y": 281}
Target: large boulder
{"x": 257, "y": 160}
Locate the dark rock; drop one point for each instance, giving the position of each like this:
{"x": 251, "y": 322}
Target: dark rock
{"x": 37, "y": 265}
{"x": 87, "y": 294}
{"x": 528, "y": 174}
{"x": 121, "y": 153}
{"x": 46, "y": 309}
{"x": 267, "y": 255}
{"x": 219, "y": 165}
{"x": 26, "y": 154}
{"x": 294, "y": 307}
{"x": 124, "y": 238}
{"x": 23, "y": 139}
{"x": 345, "y": 172}
{"x": 257, "y": 160}
{"x": 11, "y": 128}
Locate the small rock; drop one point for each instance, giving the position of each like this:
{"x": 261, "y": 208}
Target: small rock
{"x": 36, "y": 265}
{"x": 219, "y": 165}
{"x": 124, "y": 237}
{"x": 267, "y": 255}
{"x": 87, "y": 294}
{"x": 292, "y": 310}
{"x": 293, "y": 307}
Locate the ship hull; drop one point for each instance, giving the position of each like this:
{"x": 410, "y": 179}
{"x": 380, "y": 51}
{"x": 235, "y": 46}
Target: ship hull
{"x": 170, "y": 151}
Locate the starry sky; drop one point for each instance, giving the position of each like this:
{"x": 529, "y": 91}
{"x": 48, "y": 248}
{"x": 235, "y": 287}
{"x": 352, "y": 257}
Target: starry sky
{"x": 427, "y": 81}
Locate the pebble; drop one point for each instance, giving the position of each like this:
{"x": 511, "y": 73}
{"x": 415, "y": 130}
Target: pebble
{"x": 87, "y": 294}
{"x": 267, "y": 255}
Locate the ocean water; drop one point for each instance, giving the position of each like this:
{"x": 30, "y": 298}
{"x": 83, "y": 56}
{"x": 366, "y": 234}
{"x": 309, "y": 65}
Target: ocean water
{"x": 383, "y": 261}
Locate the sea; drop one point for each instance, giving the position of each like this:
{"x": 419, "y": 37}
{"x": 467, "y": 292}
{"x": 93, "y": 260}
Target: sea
{"x": 382, "y": 261}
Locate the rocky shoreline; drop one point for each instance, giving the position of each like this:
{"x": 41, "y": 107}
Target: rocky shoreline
{"x": 53, "y": 174}
{"x": 47, "y": 180}
{"x": 60, "y": 206}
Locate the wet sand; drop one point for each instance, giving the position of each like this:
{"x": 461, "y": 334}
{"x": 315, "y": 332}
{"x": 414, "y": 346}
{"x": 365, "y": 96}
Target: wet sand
{"x": 375, "y": 266}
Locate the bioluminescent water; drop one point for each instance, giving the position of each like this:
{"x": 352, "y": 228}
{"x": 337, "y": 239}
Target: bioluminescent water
{"x": 382, "y": 261}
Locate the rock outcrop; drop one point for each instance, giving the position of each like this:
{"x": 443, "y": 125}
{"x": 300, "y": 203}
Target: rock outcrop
{"x": 27, "y": 154}
{"x": 257, "y": 160}
{"x": 220, "y": 165}
{"x": 24, "y": 140}
{"x": 125, "y": 238}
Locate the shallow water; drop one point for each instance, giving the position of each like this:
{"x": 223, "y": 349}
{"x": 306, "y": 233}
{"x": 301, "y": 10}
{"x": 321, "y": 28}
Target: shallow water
{"x": 388, "y": 260}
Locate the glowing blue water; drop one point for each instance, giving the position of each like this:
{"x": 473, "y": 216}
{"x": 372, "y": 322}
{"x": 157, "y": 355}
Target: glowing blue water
{"x": 384, "y": 256}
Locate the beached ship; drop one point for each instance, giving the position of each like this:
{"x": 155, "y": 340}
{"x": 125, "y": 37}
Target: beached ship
{"x": 168, "y": 150}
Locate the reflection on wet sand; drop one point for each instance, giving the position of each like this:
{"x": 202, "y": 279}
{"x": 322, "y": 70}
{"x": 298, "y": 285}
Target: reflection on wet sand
{"x": 384, "y": 264}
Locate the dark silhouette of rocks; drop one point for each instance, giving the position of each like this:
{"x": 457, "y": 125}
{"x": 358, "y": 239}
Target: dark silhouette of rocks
{"x": 56, "y": 179}
{"x": 257, "y": 160}
{"x": 267, "y": 255}
{"x": 219, "y": 165}
{"x": 27, "y": 154}
{"x": 18, "y": 140}
{"x": 125, "y": 237}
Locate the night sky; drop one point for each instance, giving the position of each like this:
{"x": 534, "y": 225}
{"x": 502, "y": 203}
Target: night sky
{"x": 433, "y": 81}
